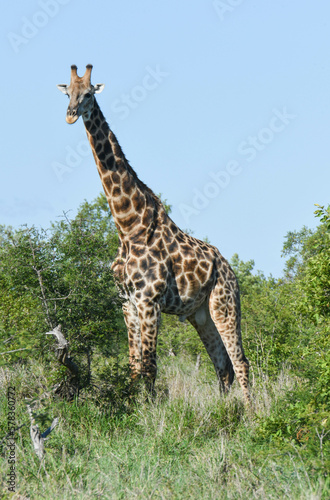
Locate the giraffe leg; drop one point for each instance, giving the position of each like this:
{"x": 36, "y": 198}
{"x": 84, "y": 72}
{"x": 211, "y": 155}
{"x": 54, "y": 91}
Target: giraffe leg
{"x": 225, "y": 312}
{"x": 134, "y": 338}
{"x": 149, "y": 319}
{"x": 203, "y": 324}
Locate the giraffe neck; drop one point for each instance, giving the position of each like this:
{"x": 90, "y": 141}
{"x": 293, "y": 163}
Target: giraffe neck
{"x": 134, "y": 207}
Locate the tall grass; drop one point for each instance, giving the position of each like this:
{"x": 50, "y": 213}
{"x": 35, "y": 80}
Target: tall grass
{"x": 187, "y": 443}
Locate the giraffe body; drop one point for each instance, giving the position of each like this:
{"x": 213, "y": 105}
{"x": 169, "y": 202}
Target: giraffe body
{"x": 159, "y": 268}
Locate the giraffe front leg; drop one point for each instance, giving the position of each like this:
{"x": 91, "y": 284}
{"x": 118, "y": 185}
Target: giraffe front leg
{"x": 149, "y": 319}
{"x": 134, "y": 338}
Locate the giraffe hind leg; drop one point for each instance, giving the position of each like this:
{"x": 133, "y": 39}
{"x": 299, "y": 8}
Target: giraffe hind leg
{"x": 208, "y": 333}
{"x": 225, "y": 312}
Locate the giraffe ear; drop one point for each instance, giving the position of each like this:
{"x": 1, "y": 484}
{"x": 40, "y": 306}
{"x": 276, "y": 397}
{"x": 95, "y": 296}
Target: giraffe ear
{"x": 98, "y": 88}
{"x": 63, "y": 88}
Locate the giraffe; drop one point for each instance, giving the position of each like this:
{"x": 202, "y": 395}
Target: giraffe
{"x": 159, "y": 268}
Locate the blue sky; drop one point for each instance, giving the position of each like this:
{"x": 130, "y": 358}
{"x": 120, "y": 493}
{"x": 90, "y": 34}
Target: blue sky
{"x": 222, "y": 106}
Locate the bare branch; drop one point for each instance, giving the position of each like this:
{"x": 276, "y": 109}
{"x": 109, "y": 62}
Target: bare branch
{"x": 57, "y": 331}
{"x": 16, "y": 350}
{"x": 49, "y": 430}
{"x": 36, "y": 436}
{"x": 198, "y": 361}
{"x": 62, "y": 353}
{"x": 68, "y": 388}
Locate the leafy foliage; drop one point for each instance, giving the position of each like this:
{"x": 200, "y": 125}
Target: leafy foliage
{"x": 61, "y": 276}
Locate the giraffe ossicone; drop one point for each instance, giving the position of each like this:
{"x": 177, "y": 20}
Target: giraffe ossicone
{"x": 159, "y": 268}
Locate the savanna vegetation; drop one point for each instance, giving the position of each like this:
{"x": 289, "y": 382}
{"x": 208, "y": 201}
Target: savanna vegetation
{"x": 112, "y": 441}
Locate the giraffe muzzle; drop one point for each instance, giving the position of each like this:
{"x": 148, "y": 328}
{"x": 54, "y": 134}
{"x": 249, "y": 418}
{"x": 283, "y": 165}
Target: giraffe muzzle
{"x": 71, "y": 116}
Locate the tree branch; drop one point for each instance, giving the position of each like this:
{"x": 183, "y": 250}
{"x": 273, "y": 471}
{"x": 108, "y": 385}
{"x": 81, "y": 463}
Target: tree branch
{"x": 16, "y": 350}
{"x": 62, "y": 352}
{"x": 36, "y": 436}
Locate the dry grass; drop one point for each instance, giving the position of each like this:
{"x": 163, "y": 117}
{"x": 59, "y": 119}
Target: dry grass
{"x": 188, "y": 443}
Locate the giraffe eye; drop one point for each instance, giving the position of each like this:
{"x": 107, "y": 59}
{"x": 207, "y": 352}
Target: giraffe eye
{"x": 88, "y": 95}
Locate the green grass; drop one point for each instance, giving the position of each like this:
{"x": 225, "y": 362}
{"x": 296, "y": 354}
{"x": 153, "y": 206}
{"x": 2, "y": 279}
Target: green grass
{"x": 187, "y": 443}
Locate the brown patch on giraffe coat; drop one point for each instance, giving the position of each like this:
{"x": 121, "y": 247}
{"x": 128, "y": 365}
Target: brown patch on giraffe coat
{"x": 180, "y": 238}
{"x": 187, "y": 251}
{"x": 159, "y": 285}
{"x": 115, "y": 178}
{"x": 107, "y": 150}
{"x": 167, "y": 234}
{"x": 126, "y": 184}
{"x": 151, "y": 275}
{"x": 182, "y": 283}
{"x": 193, "y": 284}
{"x": 143, "y": 264}
{"x": 173, "y": 247}
{"x": 140, "y": 285}
{"x": 163, "y": 269}
{"x": 137, "y": 276}
{"x": 122, "y": 205}
{"x": 177, "y": 258}
{"x": 128, "y": 223}
{"x": 107, "y": 186}
{"x": 102, "y": 135}
{"x": 173, "y": 228}
{"x": 109, "y": 163}
{"x": 158, "y": 254}
{"x": 147, "y": 217}
{"x": 157, "y": 247}
{"x": 200, "y": 274}
{"x": 152, "y": 262}
{"x": 138, "y": 201}
{"x": 204, "y": 265}
{"x": 137, "y": 251}
{"x": 116, "y": 191}
{"x": 189, "y": 265}
{"x": 98, "y": 149}
{"x": 148, "y": 293}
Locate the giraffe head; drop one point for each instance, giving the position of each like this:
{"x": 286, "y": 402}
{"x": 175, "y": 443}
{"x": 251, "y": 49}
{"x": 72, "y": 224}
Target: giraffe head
{"x": 81, "y": 93}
